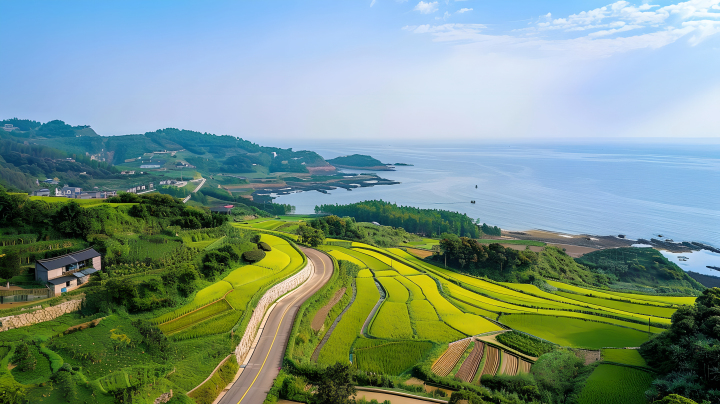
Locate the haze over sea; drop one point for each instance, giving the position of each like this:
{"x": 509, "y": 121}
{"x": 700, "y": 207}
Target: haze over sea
{"x": 637, "y": 190}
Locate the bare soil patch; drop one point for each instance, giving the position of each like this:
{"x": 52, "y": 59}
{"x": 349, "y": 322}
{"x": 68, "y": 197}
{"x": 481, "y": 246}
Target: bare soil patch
{"x": 422, "y": 254}
{"x": 321, "y": 315}
{"x": 575, "y": 251}
{"x": 588, "y": 356}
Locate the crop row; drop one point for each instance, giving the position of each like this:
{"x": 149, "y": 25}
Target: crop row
{"x": 509, "y": 364}
{"x": 445, "y": 364}
{"x": 470, "y": 365}
{"x": 524, "y": 366}
{"x": 492, "y": 361}
{"x": 525, "y": 343}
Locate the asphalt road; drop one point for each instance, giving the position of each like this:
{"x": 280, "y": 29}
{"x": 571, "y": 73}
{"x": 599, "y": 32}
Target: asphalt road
{"x": 256, "y": 380}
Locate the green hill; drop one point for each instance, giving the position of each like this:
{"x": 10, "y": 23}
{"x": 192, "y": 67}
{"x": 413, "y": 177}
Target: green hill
{"x": 356, "y": 160}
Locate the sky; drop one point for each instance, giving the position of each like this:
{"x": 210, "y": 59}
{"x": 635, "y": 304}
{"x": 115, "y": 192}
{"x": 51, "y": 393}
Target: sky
{"x": 407, "y": 71}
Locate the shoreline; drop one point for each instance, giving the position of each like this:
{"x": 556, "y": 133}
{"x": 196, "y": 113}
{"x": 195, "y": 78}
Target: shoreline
{"x": 602, "y": 242}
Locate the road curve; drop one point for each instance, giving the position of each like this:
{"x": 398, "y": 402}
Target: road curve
{"x": 256, "y": 379}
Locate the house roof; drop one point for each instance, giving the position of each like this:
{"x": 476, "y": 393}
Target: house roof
{"x": 67, "y": 259}
{"x": 61, "y": 280}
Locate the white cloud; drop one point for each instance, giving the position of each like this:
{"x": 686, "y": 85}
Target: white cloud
{"x": 601, "y": 32}
{"x": 372, "y": 3}
{"x": 464, "y": 10}
{"x": 426, "y": 8}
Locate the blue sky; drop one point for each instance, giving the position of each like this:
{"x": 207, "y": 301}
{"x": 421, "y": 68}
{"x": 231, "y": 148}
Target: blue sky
{"x": 379, "y": 69}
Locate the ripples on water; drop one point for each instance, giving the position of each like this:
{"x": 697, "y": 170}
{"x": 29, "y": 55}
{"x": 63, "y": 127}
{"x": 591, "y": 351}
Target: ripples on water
{"x": 606, "y": 190}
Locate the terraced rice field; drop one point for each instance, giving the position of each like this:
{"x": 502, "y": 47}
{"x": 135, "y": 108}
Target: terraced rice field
{"x": 470, "y": 365}
{"x": 436, "y": 331}
{"x": 610, "y": 384}
{"x": 392, "y": 322}
{"x": 422, "y": 310}
{"x": 492, "y": 361}
{"x": 624, "y": 356}
{"x": 232, "y": 294}
{"x": 445, "y": 364}
{"x": 395, "y": 290}
{"x": 648, "y": 310}
{"x": 470, "y": 324}
{"x": 337, "y": 348}
{"x": 574, "y": 332}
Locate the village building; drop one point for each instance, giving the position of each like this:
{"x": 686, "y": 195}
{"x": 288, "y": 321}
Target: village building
{"x": 41, "y": 192}
{"x": 67, "y": 272}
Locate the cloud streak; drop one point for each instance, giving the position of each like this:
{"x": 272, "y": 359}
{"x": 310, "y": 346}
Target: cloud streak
{"x": 600, "y": 32}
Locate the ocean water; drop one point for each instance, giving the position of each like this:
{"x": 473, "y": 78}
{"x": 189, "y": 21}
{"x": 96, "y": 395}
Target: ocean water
{"x": 637, "y": 190}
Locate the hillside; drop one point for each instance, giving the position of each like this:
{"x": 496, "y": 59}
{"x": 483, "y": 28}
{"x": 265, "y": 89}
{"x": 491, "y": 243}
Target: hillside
{"x": 235, "y": 168}
{"x": 358, "y": 161}
{"x": 645, "y": 267}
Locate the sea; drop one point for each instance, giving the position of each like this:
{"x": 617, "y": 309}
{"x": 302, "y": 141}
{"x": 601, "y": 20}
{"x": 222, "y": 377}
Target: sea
{"x": 638, "y": 190}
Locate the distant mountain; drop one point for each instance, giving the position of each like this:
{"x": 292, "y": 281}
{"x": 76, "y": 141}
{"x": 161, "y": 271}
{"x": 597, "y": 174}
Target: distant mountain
{"x": 31, "y": 150}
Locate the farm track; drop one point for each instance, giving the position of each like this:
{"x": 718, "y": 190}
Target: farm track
{"x": 469, "y": 367}
{"x": 330, "y": 330}
{"x": 447, "y": 361}
{"x": 321, "y": 315}
{"x": 509, "y": 365}
{"x": 492, "y": 362}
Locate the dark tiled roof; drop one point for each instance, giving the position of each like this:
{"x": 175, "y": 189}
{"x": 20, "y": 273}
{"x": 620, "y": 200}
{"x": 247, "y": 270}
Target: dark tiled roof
{"x": 62, "y": 279}
{"x": 67, "y": 259}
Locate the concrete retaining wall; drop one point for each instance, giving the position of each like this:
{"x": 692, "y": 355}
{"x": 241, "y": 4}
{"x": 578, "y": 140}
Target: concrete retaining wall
{"x": 38, "y": 316}
{"x": 270, "y": 296}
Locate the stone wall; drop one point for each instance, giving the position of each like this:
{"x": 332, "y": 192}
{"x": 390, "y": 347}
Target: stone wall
{"x": 270, "y": 296}
{"x": 38, "y": 316}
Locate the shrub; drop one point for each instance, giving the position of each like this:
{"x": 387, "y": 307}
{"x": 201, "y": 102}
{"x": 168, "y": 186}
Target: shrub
{"x": 24, "y": 358}
{"x": 264, "y": 246}
{"x": 253, "y": 255}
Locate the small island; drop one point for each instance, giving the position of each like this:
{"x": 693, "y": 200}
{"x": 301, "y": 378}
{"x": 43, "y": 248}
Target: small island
{"x": 359, "y": 162}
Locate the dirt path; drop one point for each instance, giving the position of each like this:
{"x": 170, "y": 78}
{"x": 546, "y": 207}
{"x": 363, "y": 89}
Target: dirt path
{"x": 322, "y": 314}
{"x": 316, "y": 352}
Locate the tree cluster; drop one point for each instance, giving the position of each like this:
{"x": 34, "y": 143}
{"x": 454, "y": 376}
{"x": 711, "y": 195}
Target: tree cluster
{"x": 428, "y": 222}
{"x": 688, "y": 353}
{"x": 465, "y": 252}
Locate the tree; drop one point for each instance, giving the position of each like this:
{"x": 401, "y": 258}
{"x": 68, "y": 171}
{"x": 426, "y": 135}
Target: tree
{"x": 337, "y": 385}
{"x": 9, "y": 264}
{"x": 311, "y": 235}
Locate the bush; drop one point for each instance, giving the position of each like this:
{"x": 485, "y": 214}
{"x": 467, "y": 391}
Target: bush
{"x": 264, "y": 246}
{"x": 24, "y": 358}
{"x": 253, "y": 255}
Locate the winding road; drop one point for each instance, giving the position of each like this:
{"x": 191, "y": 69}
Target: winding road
{"x": 257, "y": 378}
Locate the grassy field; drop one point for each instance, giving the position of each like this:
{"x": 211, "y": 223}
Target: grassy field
{"x": 575, "y": 332}
{"x": 610, "y": 384}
